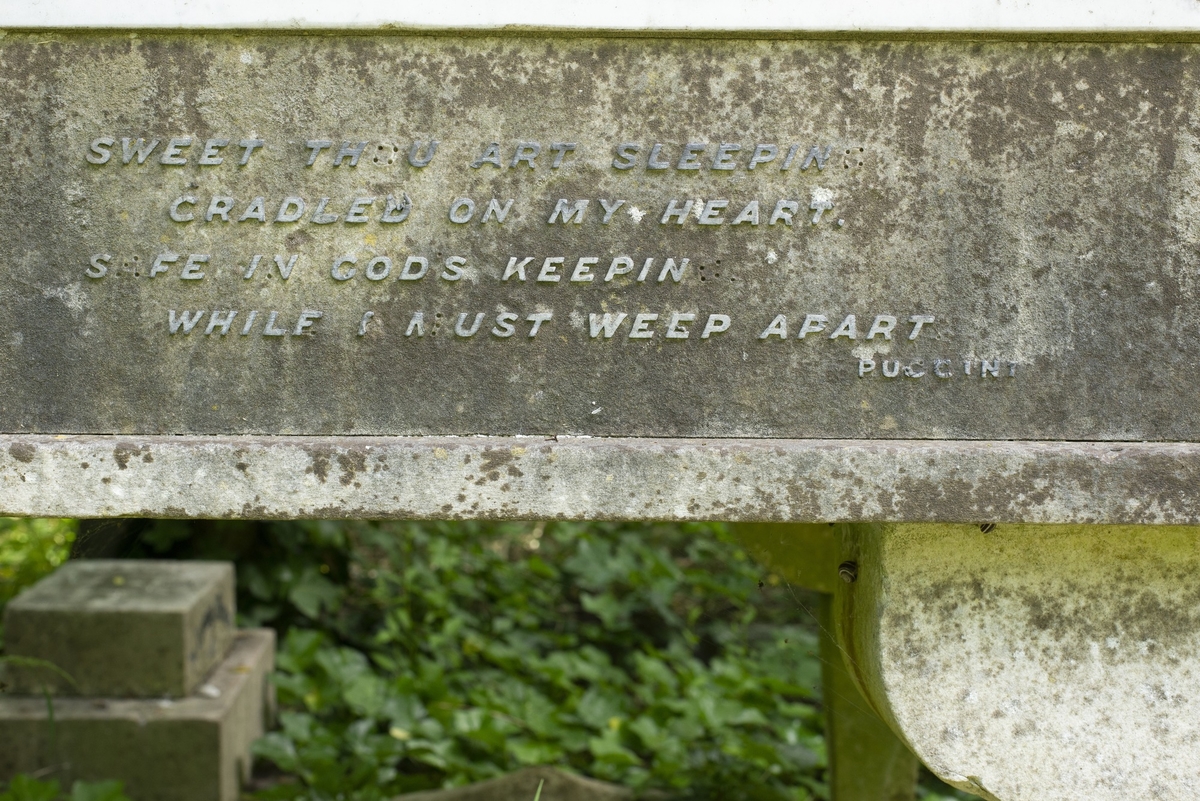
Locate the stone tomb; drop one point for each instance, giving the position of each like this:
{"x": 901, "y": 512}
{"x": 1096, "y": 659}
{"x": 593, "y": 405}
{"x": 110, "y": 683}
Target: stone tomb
{"x": 940, "y": 290}
{"x": 151, "y": 683}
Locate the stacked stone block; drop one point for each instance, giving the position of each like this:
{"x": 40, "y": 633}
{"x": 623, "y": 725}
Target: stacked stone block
{"x": 151, "y": 683}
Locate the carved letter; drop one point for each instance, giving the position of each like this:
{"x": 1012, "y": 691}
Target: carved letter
{"x": 179, "y": 216}
{"x": 641, "y": 326}
{"x": 848, "y": 328}
{"x": 99, "y": 152}
{"x": 516, "y": 268}
{"x": 409, "y": 274}
{"x": 677, "y": 211}
{"x": 173, "y": 155}
{"x": 461, "y": 210}
{"x": 526, "y": 152}
{"x": 537, "y": 319}
{"x": 676, "y": 329}
{"x": 396, "y": 211}
{"x": 307, "y": 318}
{"x": 98, "y": 268}
{"x": 717, "y": 323}
{"x": 778, "y": 327}
{"x": 290, "y": 210}
{"x": 567, "y": 212}
{"x": 813, "y": 324}
{"x": 494, "y": 208}
{"x": 186, "y": 320}
{"x": 413, "y": 153}
{"x": 883, "y": 326}
{"x": 337, "y": 273}
{"x": 491, "y": 155}
{"x": 670, "y": 268}
{"x": 504, "y": 327}
{"x": 619, "y": 266}
{"x": 919, "y": 321}
{"x": 626, "y": 156}
{"x": 460, "y": 327}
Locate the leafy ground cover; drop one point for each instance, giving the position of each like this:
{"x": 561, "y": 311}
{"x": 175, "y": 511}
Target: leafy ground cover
{"x": 419, "y": 655}
{"x": 27, "y": 788}
{"x": 426, "y": 655}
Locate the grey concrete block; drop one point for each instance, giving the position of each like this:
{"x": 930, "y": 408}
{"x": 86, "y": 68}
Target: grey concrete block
{"x": 122, "y": 628}
{"x": 191, "y": 749}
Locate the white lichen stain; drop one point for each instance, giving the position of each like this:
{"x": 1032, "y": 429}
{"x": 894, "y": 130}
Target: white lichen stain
{"x": 822, "y": 201}
{"x": 872, "y": 347}
{"x": 636, "y": 213}
{"x": 69, "y": 294}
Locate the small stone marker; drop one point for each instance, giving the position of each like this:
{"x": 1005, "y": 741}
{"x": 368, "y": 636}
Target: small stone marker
{"x": 174, "y": 694}
{"x": 123, "y": 629}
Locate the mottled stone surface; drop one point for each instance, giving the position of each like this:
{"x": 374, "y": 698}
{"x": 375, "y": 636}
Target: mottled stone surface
{"x": 1031, "y": 663}
{"x": 189, "y": 749}
{"x": 1037, "y": 199}
{"x": 121, "y": 628}
{"x": 530, "y": 478}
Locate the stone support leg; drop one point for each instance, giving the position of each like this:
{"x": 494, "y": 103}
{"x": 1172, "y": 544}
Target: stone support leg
{"x": 1033, "y": 663}
{"x": 867, "y": 762}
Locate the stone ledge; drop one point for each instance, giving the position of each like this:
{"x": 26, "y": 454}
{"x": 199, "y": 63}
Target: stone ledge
{"x": 191, "y": 749}
{"x": 600, "y": 479}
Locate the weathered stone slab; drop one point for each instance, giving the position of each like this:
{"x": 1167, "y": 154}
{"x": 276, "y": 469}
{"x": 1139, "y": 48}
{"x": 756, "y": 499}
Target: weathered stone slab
{"x": 906, "y": 239}
{"x": 122, "y": 628}
{"x": 191, "y": 749}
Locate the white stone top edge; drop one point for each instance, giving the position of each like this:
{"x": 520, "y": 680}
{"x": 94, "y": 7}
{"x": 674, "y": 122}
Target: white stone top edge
{"x": 1005, "y": 17}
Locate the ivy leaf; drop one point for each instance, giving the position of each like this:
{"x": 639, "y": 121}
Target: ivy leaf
{"x": 98, "y": 791}
{"x": 607, "y": 748}
{"x": 26, "y": 788}
{"x": 312, "y": 592}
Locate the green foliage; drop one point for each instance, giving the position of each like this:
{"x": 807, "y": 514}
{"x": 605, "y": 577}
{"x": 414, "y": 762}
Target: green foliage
{"x": 428, "y": 655}
{"x": 29, "y": 549}
{"x": 27, "y": 788}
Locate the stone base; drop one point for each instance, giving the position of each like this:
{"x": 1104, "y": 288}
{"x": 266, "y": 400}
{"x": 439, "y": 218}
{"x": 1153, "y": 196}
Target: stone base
{"x": 189, "y": 749}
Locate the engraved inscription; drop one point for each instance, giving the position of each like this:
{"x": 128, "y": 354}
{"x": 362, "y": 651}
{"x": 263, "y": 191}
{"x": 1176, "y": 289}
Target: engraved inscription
{"x": 415, "y": 235}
